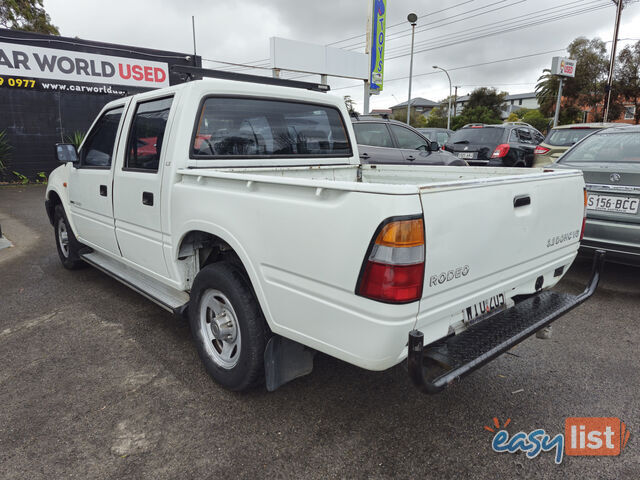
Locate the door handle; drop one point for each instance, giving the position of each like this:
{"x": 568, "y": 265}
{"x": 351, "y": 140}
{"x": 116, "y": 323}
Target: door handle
{"x": 103, "y": 190}
{"x": 364, "y": 156}
{"x": 411, "y": 158}
{"x": 521, "y": 201}
{"x": 147, "y": 198}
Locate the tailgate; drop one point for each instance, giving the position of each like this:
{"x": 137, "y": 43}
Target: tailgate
{"x": 479, "y": 244}
{"x": 474, "y": 154}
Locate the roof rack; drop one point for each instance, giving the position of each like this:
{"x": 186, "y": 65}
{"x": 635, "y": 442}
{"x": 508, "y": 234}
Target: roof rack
{"x": 196, "y": 73}
{"x": 523, "y": 124}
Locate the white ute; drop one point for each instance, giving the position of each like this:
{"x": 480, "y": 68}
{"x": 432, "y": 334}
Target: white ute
{"x": 242, "y": 204}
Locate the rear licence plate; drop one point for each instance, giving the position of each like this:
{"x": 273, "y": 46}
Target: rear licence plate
{"x": 466, "y": 155}
{"x": 475, "y": 312}
{"x": 605, "y": 203}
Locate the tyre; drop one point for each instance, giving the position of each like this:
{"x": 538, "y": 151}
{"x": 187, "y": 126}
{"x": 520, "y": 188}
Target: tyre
{"x": 228, "y": 326}
{"x": 66, "y": 242}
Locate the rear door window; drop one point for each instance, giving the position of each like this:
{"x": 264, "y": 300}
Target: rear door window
{"x": 524, "y": 136}
{"x": 373, "y": 134}
{"x": 147, "y": 135}
{"x": 257, "y": 128}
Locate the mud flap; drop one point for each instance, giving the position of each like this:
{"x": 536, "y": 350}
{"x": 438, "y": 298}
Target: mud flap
{"x": 285, "y": 360}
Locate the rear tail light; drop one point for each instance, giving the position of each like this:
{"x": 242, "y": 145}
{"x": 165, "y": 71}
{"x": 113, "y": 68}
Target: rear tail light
{"x": 393, "y": 271}
{"x": 541, "y": 150}
{"x": 584, "y": 215}
{"x": 501, "y": 151}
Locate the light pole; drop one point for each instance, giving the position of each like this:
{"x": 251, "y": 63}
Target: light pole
{"x": 412, "y": 18}
{"x": 448, "y": 111}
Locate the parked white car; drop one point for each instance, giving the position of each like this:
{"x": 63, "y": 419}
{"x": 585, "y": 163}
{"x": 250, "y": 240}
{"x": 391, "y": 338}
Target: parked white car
{"x": 244, "y": 206}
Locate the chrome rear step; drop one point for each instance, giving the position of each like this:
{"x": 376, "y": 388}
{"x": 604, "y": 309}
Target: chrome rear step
{"x": 169, "y": 298}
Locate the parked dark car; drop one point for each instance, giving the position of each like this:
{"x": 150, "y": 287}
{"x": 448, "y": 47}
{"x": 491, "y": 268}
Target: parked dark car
{"x": 440, "y": 135}
{"x": 610, "y": 162}
{"x": 506, "y": 145}
{"x": 387, "y": 141}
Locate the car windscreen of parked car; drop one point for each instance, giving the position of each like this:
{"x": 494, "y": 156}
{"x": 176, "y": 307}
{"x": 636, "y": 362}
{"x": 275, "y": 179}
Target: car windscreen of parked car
{"x": 477, "y": 135}
{"x": 606, "y": 147}
{"x": 565, "y": 137}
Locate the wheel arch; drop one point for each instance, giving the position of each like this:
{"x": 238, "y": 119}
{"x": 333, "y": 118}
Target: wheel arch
{"x": 214, "y": 244}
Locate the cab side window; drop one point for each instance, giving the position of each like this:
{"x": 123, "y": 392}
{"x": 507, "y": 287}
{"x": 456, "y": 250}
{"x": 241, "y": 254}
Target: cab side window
{"x": 147, "y": 134}
{"x": 97, "y": 150}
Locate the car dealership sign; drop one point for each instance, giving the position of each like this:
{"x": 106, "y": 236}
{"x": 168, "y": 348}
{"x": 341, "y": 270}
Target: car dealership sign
{"x": 26, "y": 61}
{"x": 563, "y": 66}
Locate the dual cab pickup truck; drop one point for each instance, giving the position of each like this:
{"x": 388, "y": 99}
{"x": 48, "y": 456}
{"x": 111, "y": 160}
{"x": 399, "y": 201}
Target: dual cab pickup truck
{"x": 244, "y": 206}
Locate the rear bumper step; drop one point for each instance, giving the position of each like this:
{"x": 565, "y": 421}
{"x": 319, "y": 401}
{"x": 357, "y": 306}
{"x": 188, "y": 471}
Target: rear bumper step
{"x": 434, "y": 367}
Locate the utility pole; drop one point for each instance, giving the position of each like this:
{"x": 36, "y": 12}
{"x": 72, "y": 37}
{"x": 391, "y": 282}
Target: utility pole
{"x": 412, "y": 18}
{"x": 193, "y": 29}
{"x": 607, "y": 98}
{"x": 557, "y": 114}
{"x": 455, "y": 100}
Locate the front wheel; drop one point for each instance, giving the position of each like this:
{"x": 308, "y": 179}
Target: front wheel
{"x": 228, "y": 326}
{"x": 66, "y": 242}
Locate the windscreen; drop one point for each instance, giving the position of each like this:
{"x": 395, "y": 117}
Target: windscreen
{"x": 481, "y": 135}
{"x": 565, "y": 137}
{"x": 247, "y": 127}
{"x": 606, "y": 147}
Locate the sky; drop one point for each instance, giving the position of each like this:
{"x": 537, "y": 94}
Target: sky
{"x": 450, "y": 34}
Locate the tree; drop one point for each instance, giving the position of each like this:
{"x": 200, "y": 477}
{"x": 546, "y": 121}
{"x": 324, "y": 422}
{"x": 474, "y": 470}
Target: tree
{"x": 513, "y": 117}
{"x": 478, "y": 114}
{"x": 26, "y": 15}
{"x": 351, "y": 104}
{"x": 535, "y": 118}
{"x": 488, "y": 98}
{"x": 416, "y": 120}
{"x": 628, "y": 76}
{"x": 586, "y": 89}
{"x": 437, "y": 117}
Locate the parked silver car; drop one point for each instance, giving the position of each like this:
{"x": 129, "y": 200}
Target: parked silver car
{"x": 610, "y": 161}
{"x": 385, "y": 141}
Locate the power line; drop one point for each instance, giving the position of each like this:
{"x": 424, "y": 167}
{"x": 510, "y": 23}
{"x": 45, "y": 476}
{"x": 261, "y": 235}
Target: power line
{"x": 425, "y": 27}
{"x": 399, "y": 23}
{"x": 463, "y": 67}
{"x": 526, "y": 17}
{"x": 506, "y": 30}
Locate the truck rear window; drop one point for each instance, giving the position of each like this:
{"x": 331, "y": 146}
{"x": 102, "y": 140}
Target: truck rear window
{"x": 256, "y": 128}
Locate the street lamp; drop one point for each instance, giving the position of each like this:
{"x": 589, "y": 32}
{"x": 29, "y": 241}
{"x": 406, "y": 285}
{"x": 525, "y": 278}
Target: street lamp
{"x": 412, "y": 18}
{"x": 449, "y": 111}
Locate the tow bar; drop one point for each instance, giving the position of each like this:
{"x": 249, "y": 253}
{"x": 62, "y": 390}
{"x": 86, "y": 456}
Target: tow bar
{"x": 434, "y": 367}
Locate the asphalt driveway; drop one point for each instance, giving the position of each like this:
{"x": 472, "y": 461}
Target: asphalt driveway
{"x": 98, "y": 382}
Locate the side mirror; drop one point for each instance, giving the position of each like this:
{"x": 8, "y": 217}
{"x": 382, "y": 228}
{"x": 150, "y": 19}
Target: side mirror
{"x": 66, "y": 152}
{"x": 434, "y": 147}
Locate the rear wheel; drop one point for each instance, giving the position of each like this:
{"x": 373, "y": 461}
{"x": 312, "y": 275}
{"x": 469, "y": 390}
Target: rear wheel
{"x": 66, "y": 242}
{"x": 228, "y": 326}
